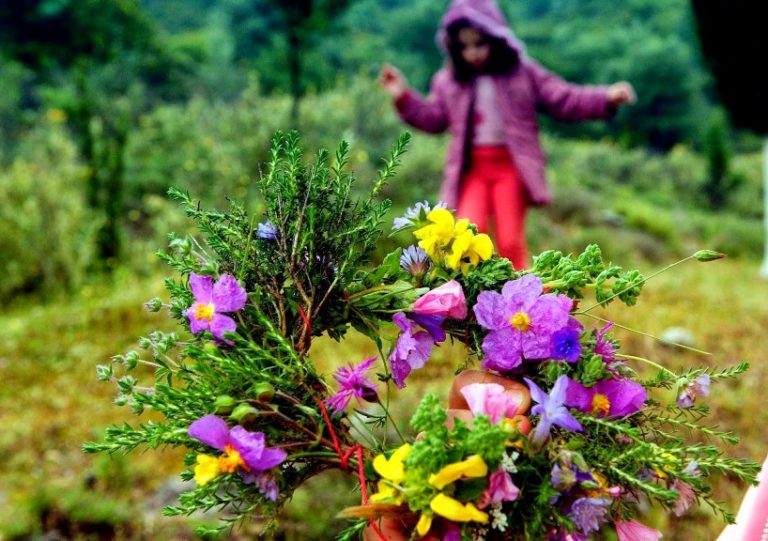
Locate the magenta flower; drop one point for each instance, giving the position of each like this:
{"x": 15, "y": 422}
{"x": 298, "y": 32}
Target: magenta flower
{"x": 447, "y": 300}
{"x": 631, "y": 530}
{"x": 551, "y": 409}
{"x": 686, "y": 496}
{"x": 352, "y": 383}
{"x": 244, "y": 451}
{"x": 522, "y": 322}
{"x": 603, "y": 346}
{"x": 500, "y": 489}
{"x": 212, "y": 301}
{"x": 411, "y": 351}
{"x": 489, "y": 399}
{"x": 609, "y": 397}
{"x": 698, "y": 387}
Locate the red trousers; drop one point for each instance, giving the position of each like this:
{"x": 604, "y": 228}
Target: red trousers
{"x": 492, "y": 191}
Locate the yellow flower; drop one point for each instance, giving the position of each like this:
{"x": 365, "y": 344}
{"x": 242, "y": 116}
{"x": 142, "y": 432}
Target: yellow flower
{"x": 460, "y": 245}
{"x": 480, "y": 249}
{"x": 207, "y": 468}
{"x": 423, "y": 525}
{"x": 474, "y": 466}
{"x": 387, "y": 493}
{"x": 456, "y": 511}
{"x": 437, "y": 234}
{"x": 394, "y": 468}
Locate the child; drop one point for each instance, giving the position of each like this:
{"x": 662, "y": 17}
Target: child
{"x": 487, "y": 97}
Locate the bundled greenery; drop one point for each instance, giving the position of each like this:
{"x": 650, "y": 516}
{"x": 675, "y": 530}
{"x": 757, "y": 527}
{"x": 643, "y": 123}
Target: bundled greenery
{"x": 256, "y": 292}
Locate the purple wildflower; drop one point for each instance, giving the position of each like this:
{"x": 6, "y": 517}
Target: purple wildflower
{"x": 415, "y": 214}
{"x": 243, "y": 451}
{"x": 522, "y": 322}
{"x": 411, "y": 350}
{"x": 698, "y": 387}
{"x": 432, "y": 323}
{"x": 588, "y": 513}
{"x": 551, "y": 409}
{"x": 264, "y": 482}
{"x": 603, "y": 346}
{"x": 566, "y": 345}
{"x": 352, "y": 383}
{"x": 415, "y": 261}
{"x": 212, "y": 301}
{"x": 267, "y": 231}
{"x": 609, "y": 397}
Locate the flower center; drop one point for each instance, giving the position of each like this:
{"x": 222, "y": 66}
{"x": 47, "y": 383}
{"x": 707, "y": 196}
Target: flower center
{"x": 231, "y": 461}
{"x": 521, "y": 321}
{"x": 600, "y": 403}
{"x": 204, "y": 311}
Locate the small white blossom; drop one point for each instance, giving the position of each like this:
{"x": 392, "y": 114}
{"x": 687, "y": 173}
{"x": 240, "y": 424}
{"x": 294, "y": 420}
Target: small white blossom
{"x": 479, "y": 533}
{"x": 499, "y": 518}
{"x": 508, "y": 462}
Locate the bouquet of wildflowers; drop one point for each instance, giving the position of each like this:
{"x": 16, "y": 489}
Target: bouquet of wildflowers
{"x": 553, "y": 436}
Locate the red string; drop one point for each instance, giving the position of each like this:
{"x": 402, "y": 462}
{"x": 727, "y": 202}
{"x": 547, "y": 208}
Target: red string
{"x": 344, "y": 460}
{"x": 307, "y": 325}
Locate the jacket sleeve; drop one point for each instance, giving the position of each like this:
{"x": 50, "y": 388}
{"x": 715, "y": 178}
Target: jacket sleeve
{"x": 566, "y": 101}
{"x": 430, "y": 113}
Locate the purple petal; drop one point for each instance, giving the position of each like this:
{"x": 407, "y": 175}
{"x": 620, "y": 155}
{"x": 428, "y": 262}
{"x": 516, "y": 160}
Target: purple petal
{"x": 422, "y": 350}
{"x": 221, "y": 324}
{"x": 202, "y": 288}
{"x": 491, "y": 310}
{"x": 250, "y": 445}
{"x": 432, "y": 324}
{"x": 579, "y": 397}
{"x": 502, "y": 350}
{"x": 271, "y": 457}
{"x": 557, "y": 394}
{"x": 538, "y": 396}
{"x": 228, "y": 295}
{"x": 196, "y": 325}
{"x": 625, "y": 396}
{"x": 400, "y": 370}
{"x": 522, "y": 293}
{"x": 401, "y": 321}
{"x": 566, "y": 420}
{"x": 211, "y": 430}
{"x": 548, "y": 315}
{"x": 339, "y": 401}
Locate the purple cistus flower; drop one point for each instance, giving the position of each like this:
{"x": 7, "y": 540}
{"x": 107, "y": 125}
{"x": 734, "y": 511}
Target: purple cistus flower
{"x": 566, "y": 345}
{"x": 414, "y": 214}
{"x": 588, "y": 513}
{"x": 244, "y": 451}
{"x": 698, "y": 387}
{"x": 412, "y": 349}
{"x": 551, "y": 409}
{"x": 606, "y": 398}
{"x": 212, "y": 300}
{"x": 522, "y": 322}
{"x": 352, "y": 383}
{"x": 415, "y": 261}
{"x": 267, "y": 231}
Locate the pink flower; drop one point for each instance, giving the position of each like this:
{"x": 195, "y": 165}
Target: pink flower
{"x": 686, "y": 498}
{"x": 352, "y": 383}
{"x": 489, "y": 399}
{"x": 631, "y": 530}
{"x": 501, "y": 488}
{"x": 212, "y": 300}
{"x": 446, "y": 300}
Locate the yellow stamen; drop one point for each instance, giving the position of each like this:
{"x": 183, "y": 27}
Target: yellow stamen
{"x": 231, "y": 461}
{"x": 521, "y": 321}
{"x": 600, "y": 403}
{"x": 204, "y": 311}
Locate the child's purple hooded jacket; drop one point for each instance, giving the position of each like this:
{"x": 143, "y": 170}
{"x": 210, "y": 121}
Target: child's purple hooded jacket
{"x": 521, "y": 93}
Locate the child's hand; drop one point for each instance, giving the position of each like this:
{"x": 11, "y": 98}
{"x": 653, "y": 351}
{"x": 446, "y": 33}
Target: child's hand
{"x": 621, "y": 93}
{"x": 392, "y": 81}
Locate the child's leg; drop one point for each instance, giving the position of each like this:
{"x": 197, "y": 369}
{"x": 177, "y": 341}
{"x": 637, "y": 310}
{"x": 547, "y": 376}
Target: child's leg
{"x": 474, "y": 196}
{"x": 509, "y": 207}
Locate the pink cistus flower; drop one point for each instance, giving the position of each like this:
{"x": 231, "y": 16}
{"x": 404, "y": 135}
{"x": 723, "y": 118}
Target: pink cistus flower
{"x": 489, "y": 399}
{"x": 447, "y": 300}
{"x": 212, "y": 301}
{"x": 631, "y": 530}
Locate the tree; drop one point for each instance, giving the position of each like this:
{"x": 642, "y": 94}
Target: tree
{"x": 733, "y": 39}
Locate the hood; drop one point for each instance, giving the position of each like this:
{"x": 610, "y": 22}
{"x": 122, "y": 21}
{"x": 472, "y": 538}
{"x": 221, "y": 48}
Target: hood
{"x": 485, "y": 15}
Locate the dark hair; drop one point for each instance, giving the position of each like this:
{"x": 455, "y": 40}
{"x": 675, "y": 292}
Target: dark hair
{"x": 502, "y": 58}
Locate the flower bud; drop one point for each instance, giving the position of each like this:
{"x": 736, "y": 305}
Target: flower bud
{"x": 153, "y": 305}
{"x": 224, "y": 404}
{"x": 708, "y": 255}
{"x": 244, "y": 413}
{"x": 263, "y": 391}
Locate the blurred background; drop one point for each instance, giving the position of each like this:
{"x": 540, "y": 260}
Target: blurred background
{"x": 104, "y": 104}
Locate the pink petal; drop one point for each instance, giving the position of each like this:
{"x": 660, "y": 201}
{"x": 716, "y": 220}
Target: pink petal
{"x": 631, "y": 530}
{"x": 221, "y": 324}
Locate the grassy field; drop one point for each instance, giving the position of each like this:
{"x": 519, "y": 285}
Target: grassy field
{"x": 51, "y": 402}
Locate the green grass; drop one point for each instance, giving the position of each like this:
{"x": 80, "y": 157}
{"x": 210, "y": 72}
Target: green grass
{"x": 51, "y": 402}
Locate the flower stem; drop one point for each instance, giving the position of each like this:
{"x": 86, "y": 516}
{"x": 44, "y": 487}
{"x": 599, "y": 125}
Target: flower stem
{"x": 646, "y": 361}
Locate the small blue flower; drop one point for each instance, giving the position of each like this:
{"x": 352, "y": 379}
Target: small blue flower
{"x": 566, "y": 345}
{"x": 415, "y": 261}
{"x": 551, "y": 409}
{"x": 588, "y": 513}
{"x": 267, "y": 231}
{"x": 415, "y": 214}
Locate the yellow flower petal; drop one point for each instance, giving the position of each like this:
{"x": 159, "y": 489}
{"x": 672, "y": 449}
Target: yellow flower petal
{"x": 393, "y": 469}
{"x": 456, "y": 511}
{"x": 423, "y": 525}
{"x": 462, "y": 224}
{"x": 388, "y": 494}
{"x": 474, "y": 466}
{"x": 458, "y": 249}
{"x": 481, "y": 247}
{"x": 207, "y": 468}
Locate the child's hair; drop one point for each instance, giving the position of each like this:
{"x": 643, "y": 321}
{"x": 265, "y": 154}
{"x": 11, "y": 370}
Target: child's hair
{"x": 502, "y": 59}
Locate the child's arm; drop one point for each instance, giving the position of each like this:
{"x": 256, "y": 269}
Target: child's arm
{"x": 566, "y": 101}
{"x": 428, "y": 114}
